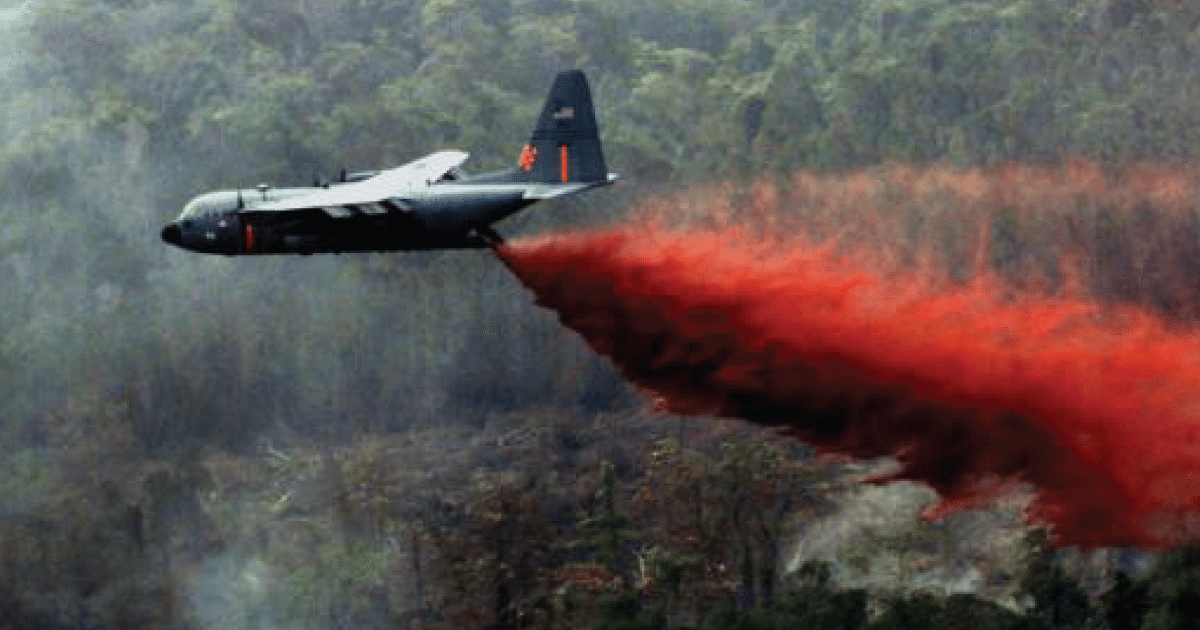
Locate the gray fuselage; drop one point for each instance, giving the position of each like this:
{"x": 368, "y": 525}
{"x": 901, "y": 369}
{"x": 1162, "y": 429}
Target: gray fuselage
{"x": 441, "y": 215}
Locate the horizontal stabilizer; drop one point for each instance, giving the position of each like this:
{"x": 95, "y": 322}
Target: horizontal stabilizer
{"x": 550, "y": 191}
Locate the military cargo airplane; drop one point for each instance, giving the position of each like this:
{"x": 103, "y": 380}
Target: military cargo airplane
{"x": 427, "y": 204}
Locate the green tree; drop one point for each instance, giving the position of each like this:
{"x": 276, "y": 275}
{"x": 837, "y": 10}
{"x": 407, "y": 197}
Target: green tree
{"x": 1171, "y": 591}
{"x": 1125, "y": 603}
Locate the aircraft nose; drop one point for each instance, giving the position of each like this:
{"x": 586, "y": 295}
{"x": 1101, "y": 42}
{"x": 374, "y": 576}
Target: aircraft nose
{"x": 172, "y": 234}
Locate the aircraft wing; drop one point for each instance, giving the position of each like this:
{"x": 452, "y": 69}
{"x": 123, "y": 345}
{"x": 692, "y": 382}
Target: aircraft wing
{"x": 368, "y": 195}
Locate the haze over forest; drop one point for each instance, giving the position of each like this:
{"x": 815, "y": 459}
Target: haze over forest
{"x": 395, "y": 439}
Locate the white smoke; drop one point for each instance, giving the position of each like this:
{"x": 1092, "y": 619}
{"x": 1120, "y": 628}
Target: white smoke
{"x": 12, "y": 13}
{"x": 10, "y": 16}
{"x": 230, "y": 593}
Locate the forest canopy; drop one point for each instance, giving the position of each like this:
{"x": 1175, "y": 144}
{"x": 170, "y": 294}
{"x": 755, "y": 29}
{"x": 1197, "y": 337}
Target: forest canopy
{"x": 117, "y": 112}
{"x": 220, "y": 413}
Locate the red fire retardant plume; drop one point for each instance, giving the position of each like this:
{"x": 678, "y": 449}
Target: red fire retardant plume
{"x": 970, "y": 388}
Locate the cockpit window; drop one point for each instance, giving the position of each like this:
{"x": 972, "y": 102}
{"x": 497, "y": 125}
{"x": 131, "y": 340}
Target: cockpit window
{"x": 211, "y": 203}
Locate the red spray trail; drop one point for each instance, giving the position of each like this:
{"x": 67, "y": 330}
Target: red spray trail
{"x": 969, "y": 387}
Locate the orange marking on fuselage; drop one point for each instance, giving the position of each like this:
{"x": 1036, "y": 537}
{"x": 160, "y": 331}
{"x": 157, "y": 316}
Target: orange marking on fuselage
{"x": 528, "y": 157}
{"x": 563, "y": 161}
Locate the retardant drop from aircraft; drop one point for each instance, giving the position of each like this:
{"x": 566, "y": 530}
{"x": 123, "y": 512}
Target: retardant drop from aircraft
{"x": 970, "y": 387}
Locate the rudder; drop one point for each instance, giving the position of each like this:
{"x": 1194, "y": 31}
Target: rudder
{"x": 565, "y": 146}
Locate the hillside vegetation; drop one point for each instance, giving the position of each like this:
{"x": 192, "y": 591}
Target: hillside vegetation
{"x": 405, "y": 440}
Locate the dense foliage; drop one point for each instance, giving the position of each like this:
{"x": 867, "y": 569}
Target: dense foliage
{"x": 117, "y": 112}
{"x": 381, "y": 441}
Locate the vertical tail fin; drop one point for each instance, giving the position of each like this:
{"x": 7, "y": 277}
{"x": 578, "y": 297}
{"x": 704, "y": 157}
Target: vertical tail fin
{"x": 565, "y": 147}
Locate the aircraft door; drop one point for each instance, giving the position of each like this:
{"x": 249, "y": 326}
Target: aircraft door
{"x": 248, "y": 236}
{"x": 243, "y": 234}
